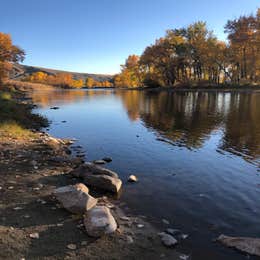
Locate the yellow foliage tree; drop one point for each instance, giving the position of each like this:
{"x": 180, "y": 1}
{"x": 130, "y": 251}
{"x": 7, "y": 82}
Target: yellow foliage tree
{"x": 8, "y": 53}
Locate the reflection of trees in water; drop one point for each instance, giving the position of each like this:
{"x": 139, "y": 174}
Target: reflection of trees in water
{"x": 53, "y": 97}
{"x": 188, "y": 118}
{"x": 242, "y": 125}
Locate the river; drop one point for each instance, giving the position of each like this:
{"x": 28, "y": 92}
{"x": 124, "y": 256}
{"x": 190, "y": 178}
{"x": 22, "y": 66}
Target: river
{"x": 196, "y": 155}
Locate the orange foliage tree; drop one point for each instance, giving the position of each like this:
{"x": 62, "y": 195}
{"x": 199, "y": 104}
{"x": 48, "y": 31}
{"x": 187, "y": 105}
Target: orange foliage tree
{"x": 8, "y": 53}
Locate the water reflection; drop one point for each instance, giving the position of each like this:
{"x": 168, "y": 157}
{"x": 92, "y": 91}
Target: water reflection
{"x": 186, "y": 118}
{"x": 189, "y": 118}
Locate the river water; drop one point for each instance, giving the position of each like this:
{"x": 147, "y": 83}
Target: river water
{"x": 196, "y": 155}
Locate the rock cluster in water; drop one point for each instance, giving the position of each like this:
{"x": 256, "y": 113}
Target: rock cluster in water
{"x": 98, "y": 220}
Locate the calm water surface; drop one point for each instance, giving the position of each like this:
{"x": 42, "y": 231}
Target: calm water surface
{"x": 205, "y": 179}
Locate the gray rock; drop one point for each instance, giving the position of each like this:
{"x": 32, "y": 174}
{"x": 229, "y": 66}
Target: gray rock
{"x": 104, "y": 182}
{"x": 129, "y": 240}
{"x": 99, "y": 162}
{"x": 245, "y": 244}
{"x": 91, "y": 168}
{"x": 99, "y": 221}
{"x": 167, "y": 239}
{"x": 165, "y": 221}
{"x": 173, "y": 232}
{"x": 75, "y": 198}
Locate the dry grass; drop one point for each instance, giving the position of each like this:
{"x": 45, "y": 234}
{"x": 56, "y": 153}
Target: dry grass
{"x": 23, "y": 85}
{"x": 17, "y": 119}
{"x": 13, "y": 130}
{"x": 5, "y": 96}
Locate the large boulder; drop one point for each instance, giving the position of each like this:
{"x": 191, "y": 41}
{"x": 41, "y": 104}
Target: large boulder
{"x": 91, "y": 168}
{"x": 245, "y": 244}
{"x": 75, "y": 198}
{"x": 103, "y": 182}
{"x": 99, "y": 221}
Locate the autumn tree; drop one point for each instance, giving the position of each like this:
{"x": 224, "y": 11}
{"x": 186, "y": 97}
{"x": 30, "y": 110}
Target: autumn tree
{"x": 90, "y": 82}
{"x": 9, "y": 53}
{"x": 243, "y": 35}
{"x": 131, "y": 74}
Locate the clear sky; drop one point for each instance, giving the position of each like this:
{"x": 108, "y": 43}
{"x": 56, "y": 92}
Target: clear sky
{"x": 96, "y": 36}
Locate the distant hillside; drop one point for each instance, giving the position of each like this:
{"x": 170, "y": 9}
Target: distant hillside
{"x": 21, "y": 71}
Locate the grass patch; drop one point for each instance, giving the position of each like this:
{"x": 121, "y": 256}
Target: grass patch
{"x": 5, "y": 96}
{"x": 16, "y": 119}
{"x": 14, "y": 131}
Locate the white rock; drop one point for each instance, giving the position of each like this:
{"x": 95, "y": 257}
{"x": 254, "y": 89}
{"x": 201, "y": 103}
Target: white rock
{"x": 140, "y": 225}
{"x": 99, "y": 221}
{"x": 18, "y": 208}
{"x": 99, "y": 162}
{"x": 71, "y": 246}
{"x": 34, "y": 235}
{"x": 132, "y": 178}
{"x": 75, "y": 198}
{"x": 125, "y": 218}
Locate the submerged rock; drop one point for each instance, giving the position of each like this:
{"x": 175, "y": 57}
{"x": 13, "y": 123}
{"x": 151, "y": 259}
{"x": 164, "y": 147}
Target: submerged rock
{"x": 167, "y": 239}
{"x": 99, "y": 221}
{"x": 245, "y": 244}
{"x": 75, "y": 198}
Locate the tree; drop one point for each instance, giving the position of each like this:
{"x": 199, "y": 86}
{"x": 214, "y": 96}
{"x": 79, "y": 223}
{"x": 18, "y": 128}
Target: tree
{"x": 243, "y": 35}
{"x": 131, "y": 75}
{"x": 90, "y": 82}
{"x": 9, "y": 53}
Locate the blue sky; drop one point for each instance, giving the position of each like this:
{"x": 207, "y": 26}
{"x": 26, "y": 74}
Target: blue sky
{"x": 96, "y": 36}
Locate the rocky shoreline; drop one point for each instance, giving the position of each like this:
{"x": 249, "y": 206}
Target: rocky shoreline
{"x": 37, "y": 224}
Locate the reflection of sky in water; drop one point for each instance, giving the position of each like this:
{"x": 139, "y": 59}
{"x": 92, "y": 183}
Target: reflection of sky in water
{"x": 207, "y": 184}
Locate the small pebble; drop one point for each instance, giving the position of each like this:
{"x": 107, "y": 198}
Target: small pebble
{"x": 140, "y": 225}
{"x": 125, "y": 218}
{"x": 132, "y": 178}
{"x": 34, "y": 235}
{"x": 129, "y": 240}
{"x": 71, "y": 246}
{"x": 18, "y": 208}
{"x": 99, "y": 162}
{"x": 165, "y": 221}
